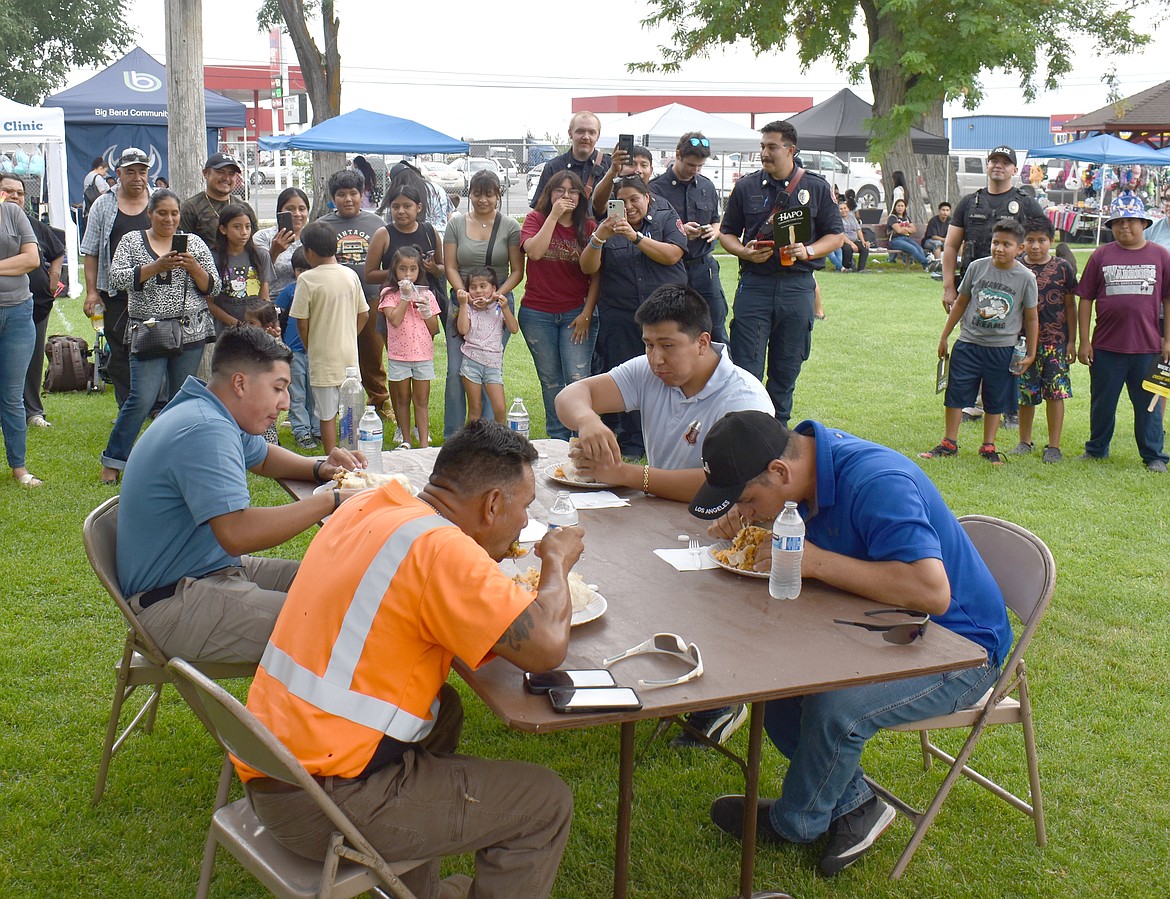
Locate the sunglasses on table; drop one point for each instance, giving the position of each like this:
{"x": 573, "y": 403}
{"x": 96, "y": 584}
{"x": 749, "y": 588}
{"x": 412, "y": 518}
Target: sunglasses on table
{"x": 668, "y": 644}
{"x": 901, "y": 633}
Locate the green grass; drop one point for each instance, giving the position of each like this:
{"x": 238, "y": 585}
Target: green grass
{"x": 1098, "y": 672}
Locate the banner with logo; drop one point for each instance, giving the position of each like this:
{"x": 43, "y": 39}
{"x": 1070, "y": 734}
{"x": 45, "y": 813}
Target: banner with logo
{"x": 85, "y": 143}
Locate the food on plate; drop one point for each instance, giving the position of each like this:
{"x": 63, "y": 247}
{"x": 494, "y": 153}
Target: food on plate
{"x": 515, "y": 551}
{"x": 366, "y": 480}
{"x": 568, "y": 471}
{"x": 744, "y": 548}
{"x": 579, "y": 592}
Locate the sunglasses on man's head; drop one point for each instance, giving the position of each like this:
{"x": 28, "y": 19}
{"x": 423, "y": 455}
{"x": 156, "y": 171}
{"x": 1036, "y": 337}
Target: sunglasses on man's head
{"x": 700, "y": 142}
{"x": 902, "y": 633}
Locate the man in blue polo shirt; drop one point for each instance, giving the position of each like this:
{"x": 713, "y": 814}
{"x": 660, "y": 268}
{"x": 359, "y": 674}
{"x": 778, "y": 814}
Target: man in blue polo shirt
{"x": 773, "y": 312}
{"x": 695, "y": 199}
{"x": 185, "y": 520}
{"x": 875, "y": 526}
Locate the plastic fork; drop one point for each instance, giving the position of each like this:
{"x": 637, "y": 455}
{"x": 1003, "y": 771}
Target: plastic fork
{"x": 693, "y": 546}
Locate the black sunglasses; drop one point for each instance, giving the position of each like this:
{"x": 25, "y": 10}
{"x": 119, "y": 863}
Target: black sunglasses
{"x": 902, "y": 633}
{"x": 700, "y": 142}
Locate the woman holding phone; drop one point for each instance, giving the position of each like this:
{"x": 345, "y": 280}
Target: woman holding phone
{"x": 292, "y": 214}
{"x": 167, "y": 277}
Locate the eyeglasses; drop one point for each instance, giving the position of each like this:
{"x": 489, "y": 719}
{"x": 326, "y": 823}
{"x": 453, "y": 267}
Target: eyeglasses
{"x": 669, "y": 644}
{"x": 699, "y": 142}
{"x": 568, "y": 191}
{"x": 902, "y": 633}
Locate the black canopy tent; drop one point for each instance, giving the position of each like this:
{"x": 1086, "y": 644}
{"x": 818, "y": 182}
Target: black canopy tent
{"x": 838, "y": 126}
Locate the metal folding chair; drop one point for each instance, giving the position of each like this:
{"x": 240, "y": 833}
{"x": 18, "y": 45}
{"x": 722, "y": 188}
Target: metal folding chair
{"x": 351, "y": 866}
{"x": 1026, "y": 573}
{"x": 143, "y": 663}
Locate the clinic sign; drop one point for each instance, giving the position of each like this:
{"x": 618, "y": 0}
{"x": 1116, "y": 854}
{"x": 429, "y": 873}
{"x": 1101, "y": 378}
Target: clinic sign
{"x": 17, "y": 126}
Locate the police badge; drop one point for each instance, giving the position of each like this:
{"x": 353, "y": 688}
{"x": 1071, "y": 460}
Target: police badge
{"x": 802, "y": 197}
{"x": 1013, "y": 207}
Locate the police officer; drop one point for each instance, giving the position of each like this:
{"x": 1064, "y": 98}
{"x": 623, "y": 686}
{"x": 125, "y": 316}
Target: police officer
{"x": 694, "y": 197}
{"x": 774, "y": 303}
{"x": 582, "y": 158}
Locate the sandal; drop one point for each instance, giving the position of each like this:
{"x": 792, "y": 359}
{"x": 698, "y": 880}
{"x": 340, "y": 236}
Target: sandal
{"x": 111, "y": 482}
{"x": 27, "y": 480}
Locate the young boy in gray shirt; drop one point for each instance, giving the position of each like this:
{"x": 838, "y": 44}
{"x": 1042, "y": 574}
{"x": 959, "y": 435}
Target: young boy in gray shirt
{"x": 1004, "y": 292}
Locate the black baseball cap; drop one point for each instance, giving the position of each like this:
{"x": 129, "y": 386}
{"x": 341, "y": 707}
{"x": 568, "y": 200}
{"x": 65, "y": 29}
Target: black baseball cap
{"x": 1003, "y": 151}
{"x": 739, "y": 448}
{"x": 222, "y": 161}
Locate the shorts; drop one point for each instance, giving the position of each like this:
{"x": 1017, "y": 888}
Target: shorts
{"x": 397, "y": 370}
{"x": 973, "y": 365}
{"x": 1047, "y": 377}
{"x": 326, "y": 399}
{"x": 478, "y": 373}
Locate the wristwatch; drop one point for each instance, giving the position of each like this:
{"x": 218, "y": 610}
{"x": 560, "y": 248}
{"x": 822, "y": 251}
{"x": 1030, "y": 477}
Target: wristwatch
{"x": 638, "y": 238}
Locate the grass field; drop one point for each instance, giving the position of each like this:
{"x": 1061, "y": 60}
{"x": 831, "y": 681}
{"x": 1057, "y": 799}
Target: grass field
{"x": 1098, "y": 672}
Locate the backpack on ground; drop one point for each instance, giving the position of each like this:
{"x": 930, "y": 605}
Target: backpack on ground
{"x": 69, "y": 365}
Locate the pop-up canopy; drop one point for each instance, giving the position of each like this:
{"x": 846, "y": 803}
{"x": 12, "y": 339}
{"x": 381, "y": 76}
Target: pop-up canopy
{"x": 362, "y": 131}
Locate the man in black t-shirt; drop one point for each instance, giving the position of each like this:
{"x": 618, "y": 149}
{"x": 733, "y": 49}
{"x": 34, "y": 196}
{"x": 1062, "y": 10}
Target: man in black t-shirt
{"x": 936, "y": 231}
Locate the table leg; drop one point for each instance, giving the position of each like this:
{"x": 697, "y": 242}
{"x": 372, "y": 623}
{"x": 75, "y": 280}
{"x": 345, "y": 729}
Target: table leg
{"x": 751, "y": 792}
{"x": 621, "y": 856}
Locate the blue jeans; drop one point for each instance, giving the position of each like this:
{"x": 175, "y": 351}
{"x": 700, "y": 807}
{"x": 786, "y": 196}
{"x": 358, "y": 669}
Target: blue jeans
{"x": 703, "y": 276}
{"x": 454, "y": 399}
{"x": 774, "y": 319}
{"x": 147, "y": 377}
{"x": 910, "y": 247}
{"x": 835, "y": 258}
{"x": 17, "y": 336}
{"x": 559, "y": 361}
{"x": 823, "y": 735}
{"x": 301, "y": 414}
{"x": 1107, "y": 375}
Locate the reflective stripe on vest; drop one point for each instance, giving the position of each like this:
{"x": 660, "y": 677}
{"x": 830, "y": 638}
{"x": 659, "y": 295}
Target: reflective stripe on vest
{"x": 332, "y": 692}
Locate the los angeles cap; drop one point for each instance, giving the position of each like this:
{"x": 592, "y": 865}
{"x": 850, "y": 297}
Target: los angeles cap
{"x": 739, "y": 447}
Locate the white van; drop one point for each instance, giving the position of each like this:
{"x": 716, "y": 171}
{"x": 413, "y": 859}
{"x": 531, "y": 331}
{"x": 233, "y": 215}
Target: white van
{"x": 860, "y": 177}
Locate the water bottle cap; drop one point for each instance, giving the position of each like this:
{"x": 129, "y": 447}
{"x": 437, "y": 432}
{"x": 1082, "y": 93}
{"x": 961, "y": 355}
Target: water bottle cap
{"x": 369, "y": 409}
{"x": 351, "y": 371}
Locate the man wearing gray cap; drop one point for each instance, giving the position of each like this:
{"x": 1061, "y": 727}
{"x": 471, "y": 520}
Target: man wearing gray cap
{"x": 200, "y": 213}
{"x": 877, "y": 527}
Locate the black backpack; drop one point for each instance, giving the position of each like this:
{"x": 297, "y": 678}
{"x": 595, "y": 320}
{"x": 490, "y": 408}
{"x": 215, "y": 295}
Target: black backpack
{"x": 92, "y": 192}
{"x": 69, "y": 365}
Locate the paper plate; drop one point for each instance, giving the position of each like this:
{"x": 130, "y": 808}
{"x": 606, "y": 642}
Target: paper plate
{"x": 551, "y": 473}
{"x": 331, "y": 485}
{"x": 726, "y": 544}
{"x": 591, "y": 612}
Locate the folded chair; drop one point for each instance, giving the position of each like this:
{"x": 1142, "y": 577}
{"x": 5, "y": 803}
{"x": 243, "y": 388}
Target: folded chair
{"x": 351, "y": 867}
{"x": 143, "y": 664}
{"x": 1026, "y": 573}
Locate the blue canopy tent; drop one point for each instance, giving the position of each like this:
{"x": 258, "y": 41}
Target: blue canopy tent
{"x": 362, "y": 131}
{"x": 125, "y": 105}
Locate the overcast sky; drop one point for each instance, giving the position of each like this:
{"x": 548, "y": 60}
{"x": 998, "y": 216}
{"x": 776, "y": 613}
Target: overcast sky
{"x": 488, "y": 70}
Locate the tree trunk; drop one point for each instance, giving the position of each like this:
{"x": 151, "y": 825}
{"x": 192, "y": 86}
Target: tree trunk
{"x": 186, "y": 112}
{"x": 941, "y": 183}
{"x": 322, "y": 74}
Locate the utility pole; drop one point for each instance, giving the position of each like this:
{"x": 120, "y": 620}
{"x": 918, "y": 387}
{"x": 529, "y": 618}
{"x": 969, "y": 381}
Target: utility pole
{"x": 187, "y": 114}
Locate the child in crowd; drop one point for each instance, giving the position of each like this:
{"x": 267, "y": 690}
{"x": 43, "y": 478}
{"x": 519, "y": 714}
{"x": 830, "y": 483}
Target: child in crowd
{"x": 245, "y": 269}
{"x": 330, "y": 309}
{"x": 483, "y": 315}
{"x": 260, "y": 313}
{"x": 1127, "y": 281}
{"x": 305, "y": 427}
{"x": 1046, "y": 380}
{"x": 1005, "y": 304}
{"x": 412, "y": 321}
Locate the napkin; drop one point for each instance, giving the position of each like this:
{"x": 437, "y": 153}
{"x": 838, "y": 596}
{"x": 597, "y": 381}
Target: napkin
{"x": 685, "y": 559}
{"x": 599, "y": 499}
{"x": 533, "y": 531}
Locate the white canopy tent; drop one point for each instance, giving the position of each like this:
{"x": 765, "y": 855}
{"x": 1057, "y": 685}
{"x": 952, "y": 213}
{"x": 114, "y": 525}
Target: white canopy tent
{"x": 31, "y": 126}
{"x": 660, "y": 129}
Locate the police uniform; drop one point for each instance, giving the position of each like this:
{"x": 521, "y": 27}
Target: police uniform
{"x": 697, "y": 201}
{"x": 773, "y": 313}
{"x": 978, "y": 212}
{"x": 590, "y": 171}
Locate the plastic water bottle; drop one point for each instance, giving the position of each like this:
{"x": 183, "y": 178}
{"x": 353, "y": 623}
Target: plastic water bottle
{"x": 1019, "y": 354}
{"x": 98, "y": 319}
{"x": 353, "y": 398}
{"x": 370, "y": 439}
{"x": 563, "y": 513}
{"x": 787, "y": 550}
{"x": 518, "y": 421}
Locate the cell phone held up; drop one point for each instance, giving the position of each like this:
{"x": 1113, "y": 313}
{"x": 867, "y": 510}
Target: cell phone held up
{"x": 284, "y": 221}
{"x": 615, "y": 209}
{"x": 179, "y": 243}
{"x": 625, "y": 142}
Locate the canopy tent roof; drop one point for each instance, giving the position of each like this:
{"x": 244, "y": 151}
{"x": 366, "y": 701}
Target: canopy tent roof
{"x": 661, "y": 127}
{"x": 133, "y": 90}
{"x": 838, "y": 125}
{"x": 1106, "y": 149}
{"x": 1146, "y": 111}
{"x": 362, "y": 131}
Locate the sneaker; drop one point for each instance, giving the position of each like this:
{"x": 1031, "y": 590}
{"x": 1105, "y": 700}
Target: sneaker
{"x": 936, "y": 275}
{"x": 972, "y": 413}
{"x": 991, "y": 454}
{"x": 39, "y": 421}
{"x": 946, "y": 448}
{"x": 1010, "y": 421}
{"x": 397, "y": 441}
{"x": 1089, "y": 457}
{"x": 286, "y": 425}
{"x": 852, "y": 835}
{"x": 306, "y": 441}
{"x": 1052, "y": 454}
{"x": 727, "y": 815}
{"x": 717, "y": 725}
{"x": 1020, "y": 449}
{"x": 1157, "y": 465}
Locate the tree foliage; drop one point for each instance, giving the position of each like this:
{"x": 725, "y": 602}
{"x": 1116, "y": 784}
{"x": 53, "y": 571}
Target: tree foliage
{"x": 43, "y": 41}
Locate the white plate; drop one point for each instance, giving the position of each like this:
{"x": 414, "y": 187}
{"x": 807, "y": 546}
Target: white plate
{"x": 591, "y": 612}
{"x": 330, "y": 485}
{"x": 726, "y": 544}
{"x": 551, "y": 473}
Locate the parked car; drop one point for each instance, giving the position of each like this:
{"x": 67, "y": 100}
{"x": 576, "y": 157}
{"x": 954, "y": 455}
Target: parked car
{"x": 508, "y": 165}
{"x": 863, "y": 179}
{"x": 469, "y": 165}
{"x": 448, "y": 178}
{"x": 533, "y": 177}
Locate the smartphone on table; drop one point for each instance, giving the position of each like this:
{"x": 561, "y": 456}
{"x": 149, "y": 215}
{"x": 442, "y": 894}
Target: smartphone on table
{"x": 570, "y": 678}
{"x": 284, "y": 221}
{"x": 179, "y": 243}
{"x": 594, "y": 699}
{"x": 615, "y": 209}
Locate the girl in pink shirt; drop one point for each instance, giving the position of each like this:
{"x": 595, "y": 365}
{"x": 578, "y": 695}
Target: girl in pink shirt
{"x": 412, "y": 321}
